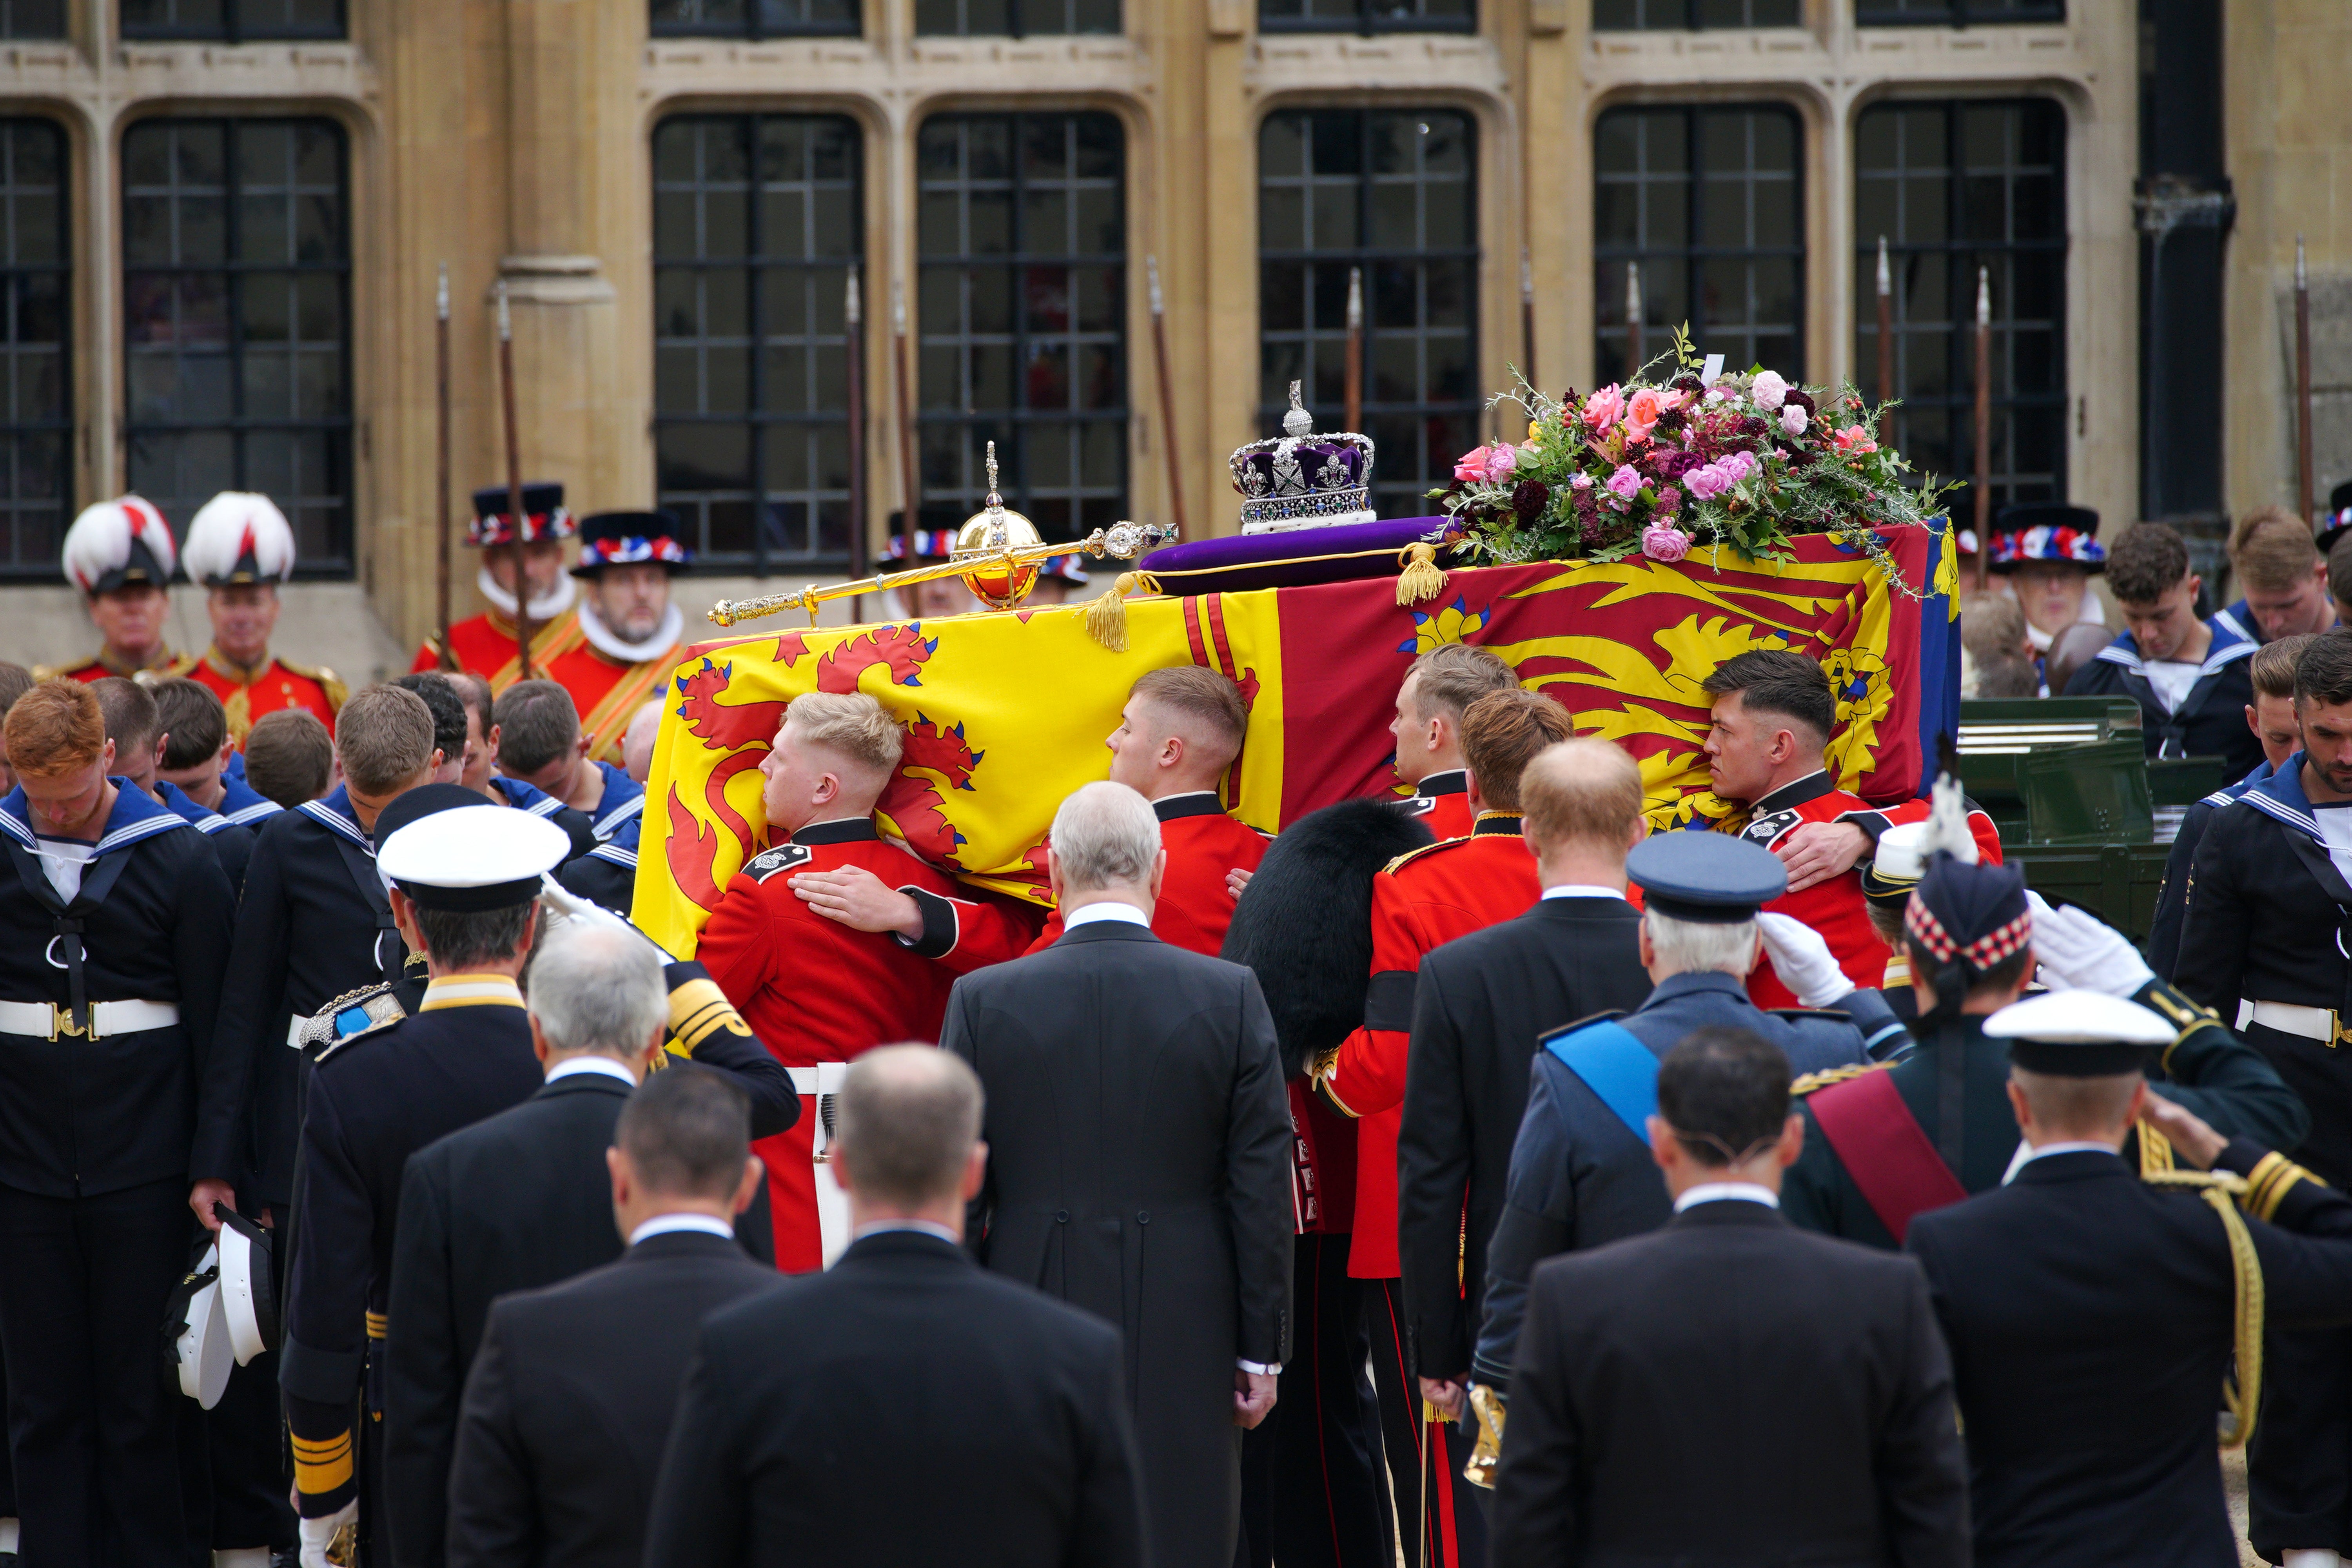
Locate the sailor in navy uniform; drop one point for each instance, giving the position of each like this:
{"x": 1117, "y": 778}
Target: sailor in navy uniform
{"x": 385, "y": 1086}
{"x": 607, "y": 875}
{"x": 113, "y": 933}
{"x": 1580, "y": 1172}
{"x": 530, "y": 798}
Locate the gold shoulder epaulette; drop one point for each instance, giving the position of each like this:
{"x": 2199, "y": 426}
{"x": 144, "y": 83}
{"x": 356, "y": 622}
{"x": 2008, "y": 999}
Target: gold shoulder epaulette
{"x": 66, "y": 671}
{"x": 1411, "y": 855}
{"x": 327, "y": 682}
{"x": 183, "y": 664}
{"x": 1822, "y": 1080}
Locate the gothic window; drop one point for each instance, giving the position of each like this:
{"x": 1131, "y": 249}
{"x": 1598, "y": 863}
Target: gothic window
{"x": 36, "y": 470}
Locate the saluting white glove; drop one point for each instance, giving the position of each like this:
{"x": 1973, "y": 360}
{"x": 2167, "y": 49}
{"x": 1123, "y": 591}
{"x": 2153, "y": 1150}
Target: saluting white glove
{"x": 1802, "y": 959}
{"x": 317, "y": 1533}
{"x": 2082, "y": 953}
{"x": 562, "y": 904}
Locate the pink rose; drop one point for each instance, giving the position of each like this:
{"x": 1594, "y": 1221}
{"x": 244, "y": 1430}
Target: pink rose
{"x": 1470, "y": 467}
{"x": 1486, "y": 463}
{"x": 1625, "y": 484}
{"x": 1664, "y": 543}
{"x": 1579, "y": 482}
{"x": 1768, "y": 390}
{"x": 1854, "y": 440}
{"x": 1604, "y": 408}
{"x": 1708, "y": 481}
{"x": 1793, "y": 419}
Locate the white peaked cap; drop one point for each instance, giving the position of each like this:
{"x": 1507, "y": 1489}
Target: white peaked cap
{"x": 117, "y": 541}
{"x": 239, "y": 536}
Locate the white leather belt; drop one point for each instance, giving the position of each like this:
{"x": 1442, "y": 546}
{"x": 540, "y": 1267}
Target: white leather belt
{"x": 2318, "y": 1024}
{"x": 294, "y": 1030}
{"x": 823, "y": 1079}
{"x": 46, "y": 1020}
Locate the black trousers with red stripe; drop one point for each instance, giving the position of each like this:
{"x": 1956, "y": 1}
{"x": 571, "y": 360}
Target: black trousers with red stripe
{"x": 1444, "y": 1516}
{"x": 1312, "y": 1496}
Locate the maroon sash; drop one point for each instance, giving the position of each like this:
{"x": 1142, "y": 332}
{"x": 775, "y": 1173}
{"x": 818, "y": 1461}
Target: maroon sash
{"x": 1885, "y": 1150}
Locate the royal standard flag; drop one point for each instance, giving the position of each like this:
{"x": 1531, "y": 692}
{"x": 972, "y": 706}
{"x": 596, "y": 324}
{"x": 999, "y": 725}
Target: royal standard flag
{"x": 1006, "y": 713}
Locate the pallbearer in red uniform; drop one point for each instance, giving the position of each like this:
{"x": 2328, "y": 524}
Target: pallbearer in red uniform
{"x": 1773, "y": 713}
{"x": 525, "y": 559}
{"x": 1430, "y": 702}
{"x": 119, "y": 554}
{"x": 820, "y": 994}
{"x": 240, "y": 549}
{"x": 629, "y": 630}
{"x": 1423, "y": 900}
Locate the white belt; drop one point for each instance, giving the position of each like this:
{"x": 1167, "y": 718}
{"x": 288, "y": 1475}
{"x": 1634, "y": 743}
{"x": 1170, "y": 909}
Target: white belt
{"x": 294, "y": 1030}
{"x": 46, "y": 1020}
{"x": 823, "y": 1079}
{"x": 2318, "y": 1024}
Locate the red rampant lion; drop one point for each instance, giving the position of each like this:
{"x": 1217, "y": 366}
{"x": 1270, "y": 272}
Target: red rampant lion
{"x": 903, "y": 649}
{"x": 913, "y": 800}
{"x": 744, "y": 731}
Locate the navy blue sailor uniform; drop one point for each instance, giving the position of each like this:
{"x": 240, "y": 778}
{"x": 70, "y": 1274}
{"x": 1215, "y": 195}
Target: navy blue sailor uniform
{"x": 607, "y": 875}
{"x": 313, "y": 924}
{"x": 107, "y": 994}
{"x": 240, "y": 802}
{"x": 232, "y": 842}
{"x": 2179, "y": 872}
{"x": 539, "y": 803}
{"x": 623, "y": 802}
{"x": 2210, "y": 721}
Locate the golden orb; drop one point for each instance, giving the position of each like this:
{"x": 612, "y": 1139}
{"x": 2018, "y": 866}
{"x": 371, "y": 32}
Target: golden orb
{"x": 989, "y": 532}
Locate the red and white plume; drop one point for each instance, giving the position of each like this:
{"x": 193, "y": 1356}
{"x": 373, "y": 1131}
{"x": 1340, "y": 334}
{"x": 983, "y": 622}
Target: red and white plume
{"x": 99, "y": 539}
{"x": 231, "y": 526}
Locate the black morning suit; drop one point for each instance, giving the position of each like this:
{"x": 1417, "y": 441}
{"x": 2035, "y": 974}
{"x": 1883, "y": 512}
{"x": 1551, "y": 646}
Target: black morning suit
{"x": 1480, "y": 1006}
{"x": 1138, "y": 1166}
{"x": 2269, "y": 917}
{"x": 2089, "y": 1315}
{"x": 903, "y": 1409}
{"x": 520, "y": 1200}
{"x": 568, "y": 1406}
{"x": 1731, "y": 1390}
{"x": 98, "y": 1138}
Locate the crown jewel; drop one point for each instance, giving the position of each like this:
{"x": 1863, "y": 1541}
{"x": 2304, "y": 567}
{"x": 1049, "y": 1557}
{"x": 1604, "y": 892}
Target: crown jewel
{"x": 1301, "y": 479}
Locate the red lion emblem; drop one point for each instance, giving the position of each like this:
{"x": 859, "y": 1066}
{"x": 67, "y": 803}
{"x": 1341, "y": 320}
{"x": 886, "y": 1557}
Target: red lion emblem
{"x": 743, "y": 730}
{"x": 913, "y": 800}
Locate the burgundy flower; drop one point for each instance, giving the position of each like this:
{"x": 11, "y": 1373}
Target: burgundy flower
{"x": 1686, "y": 382}
{"x": 1529, "y": 499}
{"x": 1802, "y": 400}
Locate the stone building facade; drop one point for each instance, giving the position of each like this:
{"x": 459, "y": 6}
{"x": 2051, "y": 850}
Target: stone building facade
{"x": 223, "y": 221}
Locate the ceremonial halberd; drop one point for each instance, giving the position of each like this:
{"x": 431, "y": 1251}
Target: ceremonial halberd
{"x": 1006, "y": 712}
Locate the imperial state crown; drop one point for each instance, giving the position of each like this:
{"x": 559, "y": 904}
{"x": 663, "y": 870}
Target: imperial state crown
{"x": 1301, "y": 479}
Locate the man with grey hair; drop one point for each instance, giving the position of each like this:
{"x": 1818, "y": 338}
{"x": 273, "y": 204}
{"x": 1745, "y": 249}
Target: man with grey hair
{"x": 522, "y": 1199}
{"x": 1166, "y": 1209}
{"x": 1007, "y": 1406}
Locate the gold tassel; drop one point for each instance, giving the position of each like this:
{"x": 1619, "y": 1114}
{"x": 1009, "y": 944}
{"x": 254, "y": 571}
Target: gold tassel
{"x": 1107, "y": 616}
{"x": 1422, "y": 580}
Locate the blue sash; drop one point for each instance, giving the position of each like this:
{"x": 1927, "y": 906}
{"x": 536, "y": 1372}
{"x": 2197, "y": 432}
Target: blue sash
{"x": 1617, "y": 1068}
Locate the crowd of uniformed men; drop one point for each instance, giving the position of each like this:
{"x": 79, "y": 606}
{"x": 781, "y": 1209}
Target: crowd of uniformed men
{"x": 1468, "y": 1174}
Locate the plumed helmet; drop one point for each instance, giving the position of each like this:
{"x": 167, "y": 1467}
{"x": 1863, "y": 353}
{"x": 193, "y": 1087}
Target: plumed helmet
{"x": 117, "y": 544}
{"x": 239, "y": 537}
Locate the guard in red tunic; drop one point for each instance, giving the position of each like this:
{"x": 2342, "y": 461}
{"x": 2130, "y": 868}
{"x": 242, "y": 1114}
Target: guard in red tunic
{"x": 1423, "y": 900}
{"x": 1773, "y": 713}
{"x": 820, "y": 992}
{"x": 119, "y": 554}
{"x": 526, "y": 560}
{"x": 629, "y": 630}
{"x": 1436, "y": 691}
{"x": 240, "y": 549}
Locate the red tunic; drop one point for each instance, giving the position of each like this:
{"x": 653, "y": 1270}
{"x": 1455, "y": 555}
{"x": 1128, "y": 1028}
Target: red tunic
{"x": 606, "y": 691}
{"x": 1835, "y": 907}
{"x": 1980, "y": 827}
{"x": 487, "y": 645}
{"x": 249, "y": 694}
{"x": 819, "y": 992}
{"x": 1441, "y": 802}
{"x": 1421, "y": 901}
{"x": 1202, "y": 844}
{"x": 98, "y": 667}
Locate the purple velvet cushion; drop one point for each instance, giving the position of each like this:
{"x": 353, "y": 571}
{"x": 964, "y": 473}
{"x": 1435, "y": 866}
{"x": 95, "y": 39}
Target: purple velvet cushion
{"x": 1234, "y": 565}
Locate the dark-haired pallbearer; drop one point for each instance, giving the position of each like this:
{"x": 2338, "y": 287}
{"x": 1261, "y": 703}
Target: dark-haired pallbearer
{"x": 1883, "y": 1147}
{"x": 2263, "y": 943}
{"x": 1581, "y": 1173}
{"x": 464, "y": 881}
{"x": 2088, "y": 1396}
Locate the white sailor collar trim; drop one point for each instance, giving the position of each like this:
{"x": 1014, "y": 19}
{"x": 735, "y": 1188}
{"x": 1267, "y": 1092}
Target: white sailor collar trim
{"x": 321, "y": 812}
{"x": 2227, "y": 649}
{"x": 133, "y": 818}
{"x": 248, "y": 815}
{"x": 607, "y": 824}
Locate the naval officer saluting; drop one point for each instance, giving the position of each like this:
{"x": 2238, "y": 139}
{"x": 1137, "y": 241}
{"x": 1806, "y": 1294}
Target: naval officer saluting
{"x": 464, "y": 879}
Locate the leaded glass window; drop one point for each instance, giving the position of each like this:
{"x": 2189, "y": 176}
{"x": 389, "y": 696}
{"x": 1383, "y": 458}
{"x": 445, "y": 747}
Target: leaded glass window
{"x": 1954, "y": 13}
{"x": 1953, "y": 187}
{"x": 1394, "y": 192}
{"x": 1708, "y": 202}
{"x": 236, "y": 323}
{"x": 1014, "y": 18}
{"x": 757, "y": 220}
{"x": 1022, "y": 242}
{"x": 753, "y": 18}
{"x": 1368, "y": 17}
{"x": 36, "y": 470}
{"x": 1660, "y": 15}
{"x": 228, "y": 21}
{"x": 32, "y": 19}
